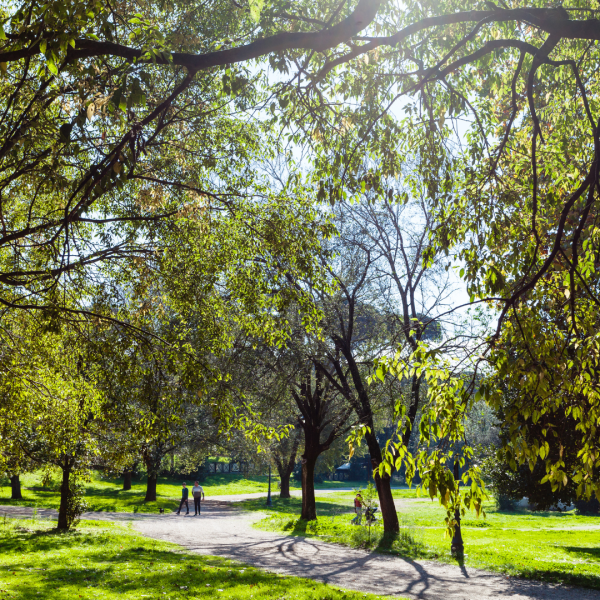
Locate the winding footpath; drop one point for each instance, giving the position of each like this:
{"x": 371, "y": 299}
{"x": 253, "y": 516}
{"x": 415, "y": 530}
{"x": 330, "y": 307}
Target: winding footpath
{"x": 226, "y": 531}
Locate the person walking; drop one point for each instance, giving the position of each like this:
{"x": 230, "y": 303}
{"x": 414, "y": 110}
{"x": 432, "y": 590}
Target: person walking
{"x": 198, "y": 494}
{"x": 358, "y": 509}
{"x": 184, "y": 498}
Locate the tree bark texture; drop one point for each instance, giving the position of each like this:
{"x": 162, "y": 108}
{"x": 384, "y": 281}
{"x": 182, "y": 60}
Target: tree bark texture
{"x": 65, "y": 492}
{"x": 285, "y": 485}
{"x": 363, "y": 14}
{"x": 309, "y": 508}
{"x": 151, "y": 487}
{"x": 152, "y": 459}
{"x": 457, "y": 546}
{"x": 15, "y": 488}
{"x": 413, "y": 408}
{"x": 384, "y": 487}
{"x": 127, "y": 480}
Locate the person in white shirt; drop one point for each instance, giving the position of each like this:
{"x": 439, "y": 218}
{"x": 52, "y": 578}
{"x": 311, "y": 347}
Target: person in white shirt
{"x": 198, "y": 494}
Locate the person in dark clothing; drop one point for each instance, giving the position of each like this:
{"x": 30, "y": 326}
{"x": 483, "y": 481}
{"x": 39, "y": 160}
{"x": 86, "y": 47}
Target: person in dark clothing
{"x": 184, "y": 498}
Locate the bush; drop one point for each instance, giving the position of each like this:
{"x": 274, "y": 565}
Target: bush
{"x": 509, "y": 487}
{"x": 588, "y": 507}
{"x": 505, "y": 502}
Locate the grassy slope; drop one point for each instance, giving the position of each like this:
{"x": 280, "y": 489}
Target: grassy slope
{"x": 105, "y": 493}
{"x": 106, "y": 561}
{"x": 547, "y": 546}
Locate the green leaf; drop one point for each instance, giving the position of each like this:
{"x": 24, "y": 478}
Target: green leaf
{"x": 256, "y": 7}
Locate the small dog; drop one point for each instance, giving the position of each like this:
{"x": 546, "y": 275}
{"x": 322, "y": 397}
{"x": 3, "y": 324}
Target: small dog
{"x": 161, "y": 511}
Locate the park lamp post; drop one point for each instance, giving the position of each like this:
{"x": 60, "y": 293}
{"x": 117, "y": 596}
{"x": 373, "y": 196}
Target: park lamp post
{"x": 457, "y": 547}
{"x": 269, "y": 501}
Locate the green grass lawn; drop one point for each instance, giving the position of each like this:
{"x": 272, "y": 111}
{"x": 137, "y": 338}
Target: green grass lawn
{"x": 105, "y": 493}
{"x": 106, "y": 561}
{"x": 549, "y": 546}
{"x": 101, "y": 493}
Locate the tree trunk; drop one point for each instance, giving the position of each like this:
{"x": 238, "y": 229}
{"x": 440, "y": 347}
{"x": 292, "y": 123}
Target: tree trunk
{"x": 383, "y": 485}
{"x": 15, "y": 486}
{"x": 65, "y": 492}
{"x": 309, "y": 509}
{"x": 152, "y": 462}
{"x": 457, "y": 546}
{"x": 386, "y": 505}
{"x": 127, "y": 480}
{"x": 285, "y": 484}
{"x": 285, "y": 469}
{"x": 151, "y": 488}
{"x": 413, "y": 409}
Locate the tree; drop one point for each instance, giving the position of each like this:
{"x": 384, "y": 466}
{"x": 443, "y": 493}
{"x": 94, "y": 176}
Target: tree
{"x": 387, "y": 301}
{"x": 152, "y": 405}
{"x": 284, "y": 455}
{"x": 322, "y": 420}
{"x": 15, "y": 463}
{"x": 414, "y": 285}
{"x": 56, "y": 417}
{"x": 354, "y": 332}
{"x": 287, "y": 392}
{"x": 514, "y": 210}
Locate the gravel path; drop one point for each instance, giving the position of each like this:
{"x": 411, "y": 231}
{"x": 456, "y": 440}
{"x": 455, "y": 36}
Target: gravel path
{"x": 225, "y": 531}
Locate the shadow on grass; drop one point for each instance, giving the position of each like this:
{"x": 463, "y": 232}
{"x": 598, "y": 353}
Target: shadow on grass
{"x": 584, "y": 552}
{"x": 293, "y": 506}
{"x": 300, "y": 527}
{"x": 407, "y": 543}
{"x": 526, "y": 512}
{"x": 577, "y": 579}
{"x": 114, "y": 563}
{"x": 46, "y": 540}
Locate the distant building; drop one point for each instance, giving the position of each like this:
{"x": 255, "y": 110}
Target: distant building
{"x": 358, "y": 469}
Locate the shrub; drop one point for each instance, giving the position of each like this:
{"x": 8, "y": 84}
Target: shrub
{"x": 504, "y": 502}
{"x": 588, "y": 507}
